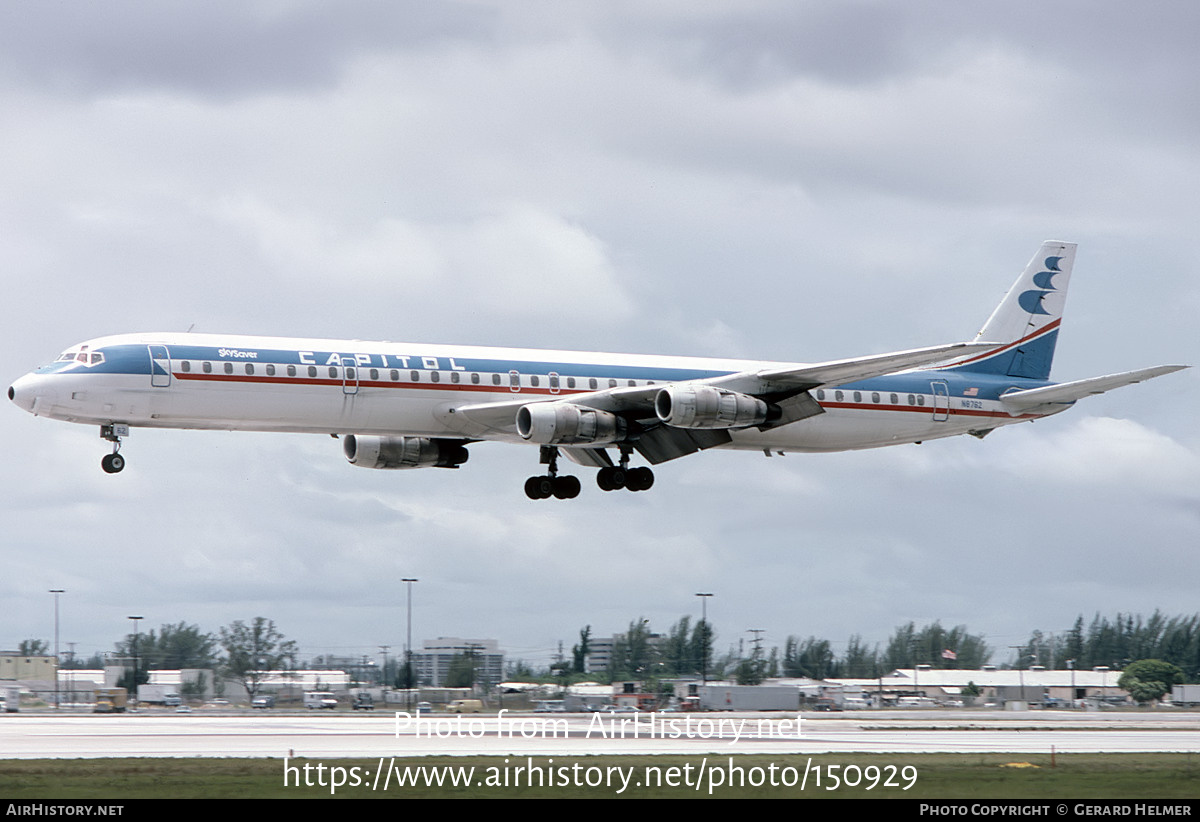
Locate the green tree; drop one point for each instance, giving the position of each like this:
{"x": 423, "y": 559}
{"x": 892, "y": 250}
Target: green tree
{"x": 580, "y": 652}
{"x": 811, "y": 658}
{"x": 1147, "y": 680}
{"x": 253, "y": 651}
{"x": 677, "y": 650}
{"x": 702, "y": 647}
{"x": 461, "y": 671}
{"x": 33, "y": 647}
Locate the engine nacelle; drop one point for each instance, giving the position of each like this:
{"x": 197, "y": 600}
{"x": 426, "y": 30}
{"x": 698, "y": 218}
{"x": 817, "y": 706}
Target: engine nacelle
{"x": 562, "y": 423}
{"x": 703, "y": 406}
{"x": 403, "y": 452}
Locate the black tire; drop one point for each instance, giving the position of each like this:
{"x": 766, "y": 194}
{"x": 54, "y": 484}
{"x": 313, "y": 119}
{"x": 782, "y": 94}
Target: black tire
{"x": 112, "y": 463}
{"x": 604, "y": 479}
{"x": 545, "y": 486}
{"x": 640, "y": 479}
{"x": 531, "y": 488}
{"x": 619, "y": 478}
{"x": 566, "y": 487}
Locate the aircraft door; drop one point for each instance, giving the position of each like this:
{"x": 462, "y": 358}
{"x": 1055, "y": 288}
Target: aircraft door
{"x": 160, "y": 366}
{"x": 349, "y": 376}
{"x": 941, "y": 401}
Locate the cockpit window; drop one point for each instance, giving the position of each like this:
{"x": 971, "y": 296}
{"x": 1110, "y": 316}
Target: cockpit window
{"x": 82, "y": 355}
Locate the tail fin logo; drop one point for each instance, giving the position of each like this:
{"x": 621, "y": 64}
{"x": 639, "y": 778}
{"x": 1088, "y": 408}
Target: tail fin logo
{"x": 1031, "y": 301}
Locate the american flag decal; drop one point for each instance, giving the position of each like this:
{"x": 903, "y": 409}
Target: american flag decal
{"x": 971, "y": 392}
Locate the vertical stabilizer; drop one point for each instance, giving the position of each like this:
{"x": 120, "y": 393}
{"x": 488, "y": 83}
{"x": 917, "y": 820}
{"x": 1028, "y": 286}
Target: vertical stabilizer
{"x": 1028, "y": 318}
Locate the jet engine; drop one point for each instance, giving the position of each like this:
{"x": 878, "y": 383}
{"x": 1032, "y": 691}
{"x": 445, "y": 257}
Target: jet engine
{"x": 703, "y": 406}
{"x": 563, "y": 423}
{"x": 403, "y": 452}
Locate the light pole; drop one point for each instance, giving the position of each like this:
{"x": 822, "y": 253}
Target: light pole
{"x": 704, "y": 638}
{"x": 56, "y": 592}
{"x": 1071, "y": 665}
{"x": 133, "y": 682}
{"x": 408, "y": 680}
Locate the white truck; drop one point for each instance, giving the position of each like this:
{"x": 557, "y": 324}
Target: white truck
{"x": 317, "y": 700}
{"x": 10, "y": 700}
{"x": 159, "y": 695}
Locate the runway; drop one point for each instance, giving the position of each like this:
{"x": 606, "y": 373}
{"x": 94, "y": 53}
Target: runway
{"x": 45, "y": 735}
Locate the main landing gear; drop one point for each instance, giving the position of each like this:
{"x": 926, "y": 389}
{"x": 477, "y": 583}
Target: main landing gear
{"x": 609, "y": 478}
{"x": 616, "y": 477}
{"x": 113, "y": 463}
{"x": 551, "y": 484}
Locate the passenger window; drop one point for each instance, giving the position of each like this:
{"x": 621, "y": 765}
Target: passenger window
{"x": 312, "y": 371}
{"x": 395, "y": 375}
{"x": 554, "y": 382}
{"x": 874, "y": 396}
{"x": 920, "y": 399}
{"x": 570, "y": 382}
{"x": 633, "y": 383}
{"x": 374, "y": 373}
{"x": 534, "y": 381}
{"x": 207, "y": 368}
{"x": 415, "y": 376}
{"x": 495, "y": 379}
{"x": 592, "y": 383}
{"x": 228, "y": 368}
{"x": 858, "y": 396}
{"x": 912, "y": 400}
{"x": 249, "y": 368}
{"x": 185, "y": 366}
{"x": 895, "y": 399}
{"x": 435, "y": 376}
{"x": 291, "y": 370}
{"x": 333, "y": 371}
{"x": 475, "y": 379}
{"x": 270, "y": 370}
{"x": 837, "y": 395}
{"x": 612, "y": 383}
{"x": 454, "y": 376}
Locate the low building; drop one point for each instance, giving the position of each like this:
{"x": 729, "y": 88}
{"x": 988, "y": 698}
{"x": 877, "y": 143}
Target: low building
{"x": 949, "y": 685}
{"x": 14, "y": 666}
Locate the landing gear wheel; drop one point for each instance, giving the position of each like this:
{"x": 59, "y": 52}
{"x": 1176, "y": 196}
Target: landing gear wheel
{"x": 611, "y": 478}
{"x": 112, "y": 463}
{"x": 566, "y": 487}
{"x": 541, "y": 487}
{"x": 639, "y": 479}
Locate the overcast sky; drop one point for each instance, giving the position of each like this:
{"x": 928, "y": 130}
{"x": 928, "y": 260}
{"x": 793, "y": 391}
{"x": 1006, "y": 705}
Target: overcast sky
{"x": 775, "y": 180}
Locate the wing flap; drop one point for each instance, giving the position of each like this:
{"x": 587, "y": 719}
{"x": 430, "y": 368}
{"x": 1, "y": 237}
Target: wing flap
{"x": 663, "y": 442}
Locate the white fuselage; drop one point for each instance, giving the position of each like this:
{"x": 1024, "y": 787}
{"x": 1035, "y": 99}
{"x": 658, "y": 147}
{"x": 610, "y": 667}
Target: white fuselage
{"x": 398, "y": 389}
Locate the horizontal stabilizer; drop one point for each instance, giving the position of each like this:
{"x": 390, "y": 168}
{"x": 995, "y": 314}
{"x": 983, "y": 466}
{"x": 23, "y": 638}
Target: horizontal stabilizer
{"x": 1068, "y": 392}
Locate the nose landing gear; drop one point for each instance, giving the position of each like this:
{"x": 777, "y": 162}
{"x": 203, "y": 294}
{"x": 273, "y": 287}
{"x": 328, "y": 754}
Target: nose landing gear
{"x": 113, "y": 463}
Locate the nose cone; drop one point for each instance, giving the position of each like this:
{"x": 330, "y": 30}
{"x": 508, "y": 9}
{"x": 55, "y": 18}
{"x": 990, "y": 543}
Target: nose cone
{"x": 28, "y": 392}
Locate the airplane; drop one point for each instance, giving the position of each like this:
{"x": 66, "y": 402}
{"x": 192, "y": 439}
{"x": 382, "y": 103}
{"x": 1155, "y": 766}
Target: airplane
{"x": 414, "y": 405}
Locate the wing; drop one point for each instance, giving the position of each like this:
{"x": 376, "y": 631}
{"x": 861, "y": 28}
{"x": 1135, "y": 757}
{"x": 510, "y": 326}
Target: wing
{"x": 786, "y": 388}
